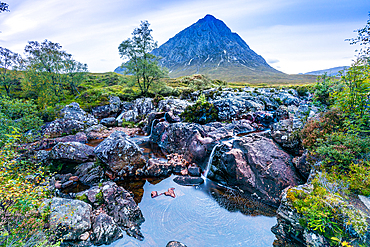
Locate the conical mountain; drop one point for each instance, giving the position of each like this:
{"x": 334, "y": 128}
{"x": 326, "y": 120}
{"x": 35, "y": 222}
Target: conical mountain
{"x": 209, "y": 47}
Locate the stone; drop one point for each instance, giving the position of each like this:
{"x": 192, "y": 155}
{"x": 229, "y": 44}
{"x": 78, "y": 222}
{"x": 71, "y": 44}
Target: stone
{"x": 109, "y": 122}
{"x": 67, "y": 184}
{"x": 175, "y": 244}
{"x": 188, "y": 181}
{"x": 61, "y": 127}
{"x": 105, "y": 230}
{"x": 302, "y": 165}
{"x": 255, "y": 164}
{"x": 285, "y": 133}
{"x": 154, "y": 194}
{"x": 233, "y": 108}
{"x": 72, "y": 152}
{"x": 170, "y": 192}
{"x": 70, "y": 218}
{"x": 177, "y": 106}
{"x": 157, "y": 168}
{"x": 74, "y": 112}
{"x": 194, "y": 171}
{"x": 122, "y": 155}
{"x": 89, "y": 173}
{"x": 101, "y": 111}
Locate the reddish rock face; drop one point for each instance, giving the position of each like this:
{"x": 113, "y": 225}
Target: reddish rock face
{"x": 257, "y": 165}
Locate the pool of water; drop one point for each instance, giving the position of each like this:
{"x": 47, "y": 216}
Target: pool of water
{"x": 206, "y": 215}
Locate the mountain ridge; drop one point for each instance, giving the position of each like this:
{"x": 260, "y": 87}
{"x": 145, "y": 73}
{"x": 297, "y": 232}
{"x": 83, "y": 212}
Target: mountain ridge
{"x": 206, "y": 46}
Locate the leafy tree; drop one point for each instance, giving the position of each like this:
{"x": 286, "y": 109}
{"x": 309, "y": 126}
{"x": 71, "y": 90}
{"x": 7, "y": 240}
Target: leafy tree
{"x": 3, "y": 7}
{"x": 76, "y": 74}
{"x": 50, "y": 72}
{"x": 363, "y": 39}
{"x": 9, "y": 63}
{"x": 143, "y": 65}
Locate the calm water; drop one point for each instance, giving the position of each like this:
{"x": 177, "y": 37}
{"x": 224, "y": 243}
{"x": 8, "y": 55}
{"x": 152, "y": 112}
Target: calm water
{"x": 207, "y": 215}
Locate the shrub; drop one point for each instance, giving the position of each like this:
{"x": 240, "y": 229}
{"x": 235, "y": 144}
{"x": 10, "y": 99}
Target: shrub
{"x": 326, "y": 212}
{"x": 201, "y": 112}
{"x": 323, "y": 88}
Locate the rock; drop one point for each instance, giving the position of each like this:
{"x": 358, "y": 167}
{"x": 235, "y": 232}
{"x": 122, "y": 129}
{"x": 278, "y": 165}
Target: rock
{"x": 170, "y": 192}
{"x": 74, "y": 112}
{"x": 175, "y": 244}
{"x": 232, "y": 108}
{"x": 154, "y": 194}
{"x": 171, "y": 118}
{"x": 105, "y": 230}
{"x": 67, "y": 184}
{"x": 120, "y": 154}
{"x": 72, "y": 152}
{"x": 255, "y": 164}
{"x": 177, "y": 106}
{"x": 157, "y": 168}
{"x": 285, "y": 133}
{"x": 109, "y": 122}
{"x": 58, "y": 185}
{"x": 99, "y": 132}
{"x": 69, "y": 218}
{"x": 188, "y": 181}
{"x": 89, "y": 173}
{"x": 61, "y": 127}
{"x": 152, "y": 117}
{"x": 194, "y": 171}
{"x": 115, "y": 104}
{"x": 84, "y": 236}
{"x": 74, "y": 178}
{"x": 302, "y": 165}
{"x": 287, "y": 98}
{"x": 101, "y": 111}
{"x": 118, "y": 204}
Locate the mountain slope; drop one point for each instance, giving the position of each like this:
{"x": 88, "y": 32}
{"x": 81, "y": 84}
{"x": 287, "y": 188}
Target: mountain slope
{"x": 330, "y": 72}
{"x": 209, "y": 47}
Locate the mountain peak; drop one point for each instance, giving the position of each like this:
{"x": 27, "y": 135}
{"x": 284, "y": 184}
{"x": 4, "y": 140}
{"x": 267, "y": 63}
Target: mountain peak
{"x": 209, "y": 47}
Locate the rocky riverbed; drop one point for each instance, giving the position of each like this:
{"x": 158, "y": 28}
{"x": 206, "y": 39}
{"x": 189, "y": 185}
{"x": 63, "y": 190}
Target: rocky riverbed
{"x": 104, "y": 172}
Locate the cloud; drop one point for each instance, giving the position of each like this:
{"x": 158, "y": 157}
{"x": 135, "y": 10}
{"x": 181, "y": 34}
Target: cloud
{"x": 271, "y": 61}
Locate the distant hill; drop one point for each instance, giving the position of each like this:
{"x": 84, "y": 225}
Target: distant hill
{"x": 329, "y": 72}
{"x": 209, "y": 47}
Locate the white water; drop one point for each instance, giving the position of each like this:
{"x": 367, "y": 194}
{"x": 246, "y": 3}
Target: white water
{"x": 151, "y": 129}
{"x": 210, "y": 161}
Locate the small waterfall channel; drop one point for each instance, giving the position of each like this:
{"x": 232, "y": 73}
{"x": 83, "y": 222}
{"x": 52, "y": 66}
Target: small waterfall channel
{"x": 209, "y": 163}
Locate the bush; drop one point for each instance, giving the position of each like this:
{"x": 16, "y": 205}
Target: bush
{"x": 16, "y": 114}
{"x": 21, "y": 193}
{"x": 326, "y": 212}
{"x": 198, "y": 82}
{"x": 201, "y": 112}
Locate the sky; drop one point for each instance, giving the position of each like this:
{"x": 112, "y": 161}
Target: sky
{"x": 294, "y": 36}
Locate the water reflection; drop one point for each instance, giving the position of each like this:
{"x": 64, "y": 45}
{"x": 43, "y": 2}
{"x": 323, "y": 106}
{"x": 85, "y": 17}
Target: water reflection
{"x": 206, "y": 215}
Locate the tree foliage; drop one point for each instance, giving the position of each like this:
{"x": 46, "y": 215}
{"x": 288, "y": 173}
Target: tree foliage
{"x": 363, "y": 39}
{"x": 143, "y": 65}
{"x": 10, "y": 62}
{"x": 50, "y": 71}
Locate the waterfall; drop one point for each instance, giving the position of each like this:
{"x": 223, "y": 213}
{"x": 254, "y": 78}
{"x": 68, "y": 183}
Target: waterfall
{"x": 119, "y": 118}
{"x": 151, "y": 129}
{"x": 210, "y": 161}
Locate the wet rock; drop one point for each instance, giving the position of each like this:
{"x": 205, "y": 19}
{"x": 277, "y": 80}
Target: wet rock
{"x": 118, "y": 204}
{"x": 115, "y": 104}
{"x": 105, "y": 230}
{"x": 58, "y": 185}
{"x": 152, "y": 117}
{"x": 154, "y": 194}
{"x": 122, "y": 155}
{"x": 157, "y": 168}
{"x": 72, "y": 152}
{"x": 255, "y": 164}
{"x": 175, "y": 244}
{"x": 109, "y": 122}
{"x": 194, "y": 171}
{"x": 67, "y": 184}
{"x": 69, "y": 218}
{"x": 170, "y": 192}
{"x": 287, "y": 98}
{"x": 74, "y": 178}
{"x": 188, "y": 181}
{"x": 89, "y": 173}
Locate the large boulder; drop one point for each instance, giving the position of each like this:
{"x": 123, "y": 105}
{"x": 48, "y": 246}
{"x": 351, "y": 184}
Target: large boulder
{"x": 105, "y": 230}
{"x": 69, "y": 218}
{"x": 231, "y": 108}
{"x": 286, "y": 134}
{"x": 89, "y": 173}
{"x": 118, "y": 204}
{"x": 122, "y": 155}
{"x": 255, "y": 164}
{"x": 72, "y": 152}
{"x": 177, "y": 106}
{"x": 61, "y": 127}
{"x": 73, "y": 111}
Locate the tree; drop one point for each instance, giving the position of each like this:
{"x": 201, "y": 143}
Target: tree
{"x": 143, "y": 65}
{"x": 9, "y": 63}
{"x": 363, "y": 39}
{"x": 3, "y": 7}
{"x": 50, "y": 71}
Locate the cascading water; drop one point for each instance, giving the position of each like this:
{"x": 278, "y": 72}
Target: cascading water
{"x": 151, "y": 129}
{"x": 210, "y": 161}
